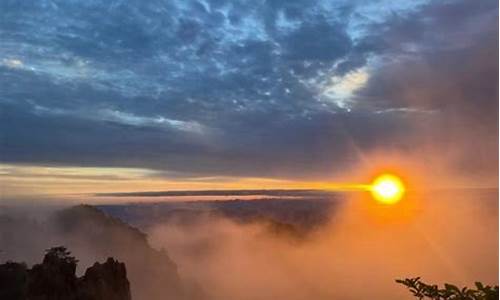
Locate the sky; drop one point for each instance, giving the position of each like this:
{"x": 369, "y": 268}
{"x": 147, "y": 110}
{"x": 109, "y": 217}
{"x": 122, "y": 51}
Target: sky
{"x": 116, "y": 96}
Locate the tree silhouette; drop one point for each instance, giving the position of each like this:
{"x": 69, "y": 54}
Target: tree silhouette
{"x": 59, "y": 254}
{"x": 422, "y": 290}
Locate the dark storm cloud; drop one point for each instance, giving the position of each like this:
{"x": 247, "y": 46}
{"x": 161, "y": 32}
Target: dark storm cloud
{"x": 220, "y": 87}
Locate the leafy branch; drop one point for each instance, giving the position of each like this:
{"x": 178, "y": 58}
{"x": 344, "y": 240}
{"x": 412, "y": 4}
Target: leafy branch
{"x": 422, "y": 290}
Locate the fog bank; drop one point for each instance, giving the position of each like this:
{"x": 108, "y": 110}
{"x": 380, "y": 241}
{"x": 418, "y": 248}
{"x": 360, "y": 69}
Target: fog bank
{"x": 441, "y": 236}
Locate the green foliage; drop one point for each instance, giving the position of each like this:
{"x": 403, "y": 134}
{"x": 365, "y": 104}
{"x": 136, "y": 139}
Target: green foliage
{"x": 422, "y": 290}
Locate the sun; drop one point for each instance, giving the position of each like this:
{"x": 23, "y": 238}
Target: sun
{"x": 387, "y": 189}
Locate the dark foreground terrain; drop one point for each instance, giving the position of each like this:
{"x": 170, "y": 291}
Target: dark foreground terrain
{"x": 55, "y": 279}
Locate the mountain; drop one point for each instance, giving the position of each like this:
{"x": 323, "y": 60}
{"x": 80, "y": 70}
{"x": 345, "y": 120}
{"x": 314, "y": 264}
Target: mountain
{"x": 93, "y": 235}
{"x": 298, "y": 217}
{"x": 152, "y": 273}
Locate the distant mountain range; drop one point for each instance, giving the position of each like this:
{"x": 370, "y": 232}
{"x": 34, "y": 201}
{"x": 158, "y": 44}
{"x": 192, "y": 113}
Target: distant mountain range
{"x": 297, "y": 216}
{"x": 264, "y": 192}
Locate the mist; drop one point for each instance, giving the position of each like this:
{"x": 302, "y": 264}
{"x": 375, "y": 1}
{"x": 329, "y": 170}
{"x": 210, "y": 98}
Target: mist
{"x": 440, "y": 236}
{"x": 443, "y": 236}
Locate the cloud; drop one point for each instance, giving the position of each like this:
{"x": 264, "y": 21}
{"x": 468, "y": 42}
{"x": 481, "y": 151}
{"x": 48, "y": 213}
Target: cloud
{"x": 435, "y": 64}
{"x": 134, "y": 120}
{"x": 341, "y": 89}
{"x": 12, "y": 63}
{"x": 228, "y": 88}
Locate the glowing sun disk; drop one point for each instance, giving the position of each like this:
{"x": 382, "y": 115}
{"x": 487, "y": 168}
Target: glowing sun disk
{"x": 387, "y": 189}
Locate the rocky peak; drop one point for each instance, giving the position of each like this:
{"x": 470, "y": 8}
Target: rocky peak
{"x": 55, "y": 279}
{"x": 107, "y": 281}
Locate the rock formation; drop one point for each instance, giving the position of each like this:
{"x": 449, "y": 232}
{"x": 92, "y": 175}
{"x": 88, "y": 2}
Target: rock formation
{"x": 105, "y": 281}
{"x": 55, "y": 279}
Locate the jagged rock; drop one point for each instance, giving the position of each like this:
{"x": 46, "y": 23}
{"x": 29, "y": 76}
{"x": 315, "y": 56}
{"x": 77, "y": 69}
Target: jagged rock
{"x": 107, "y": 281}
{"x": 55, "y": 279}
{"x": 13, "y": 281}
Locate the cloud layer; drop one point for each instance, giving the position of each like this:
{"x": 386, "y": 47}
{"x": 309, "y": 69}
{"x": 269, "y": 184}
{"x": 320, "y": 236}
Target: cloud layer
{"x": 268, "y": 88}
